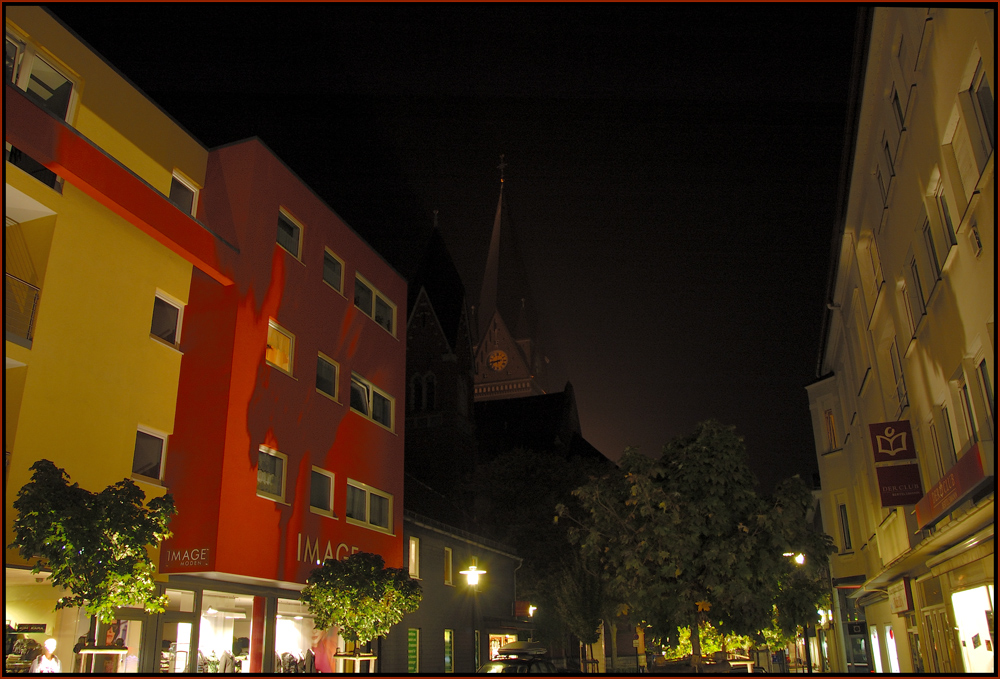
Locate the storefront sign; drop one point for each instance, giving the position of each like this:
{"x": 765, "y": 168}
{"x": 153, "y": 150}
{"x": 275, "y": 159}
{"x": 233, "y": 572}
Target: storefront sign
{"x": 899, "y": 484}
{"x": 187, "y": 557}
{"x": 308, "y": 551}
{"x": 857, "y": 628}
{"x": 31, "y": 628}
{"x": 956, "y": 484}
{"x": 900, "y": 598}
{"x": 892, "y": 441}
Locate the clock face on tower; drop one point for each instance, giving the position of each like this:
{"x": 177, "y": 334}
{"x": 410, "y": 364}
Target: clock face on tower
{"x": 497, "y": 360}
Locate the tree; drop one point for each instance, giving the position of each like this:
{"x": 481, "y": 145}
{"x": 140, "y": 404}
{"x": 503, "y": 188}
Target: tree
{"x": 361, "y": 596}
{"x": 95, "y": 544}
{"x": 685, "y": 539}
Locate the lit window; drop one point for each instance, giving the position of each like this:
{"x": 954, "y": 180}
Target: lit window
{"x": 369, "y": 506}
{"x": 280, "y": 347}
{"x": 326, "y": 376}
{"x": 166, "y": 324}
{"x": 183, "y": 194}
{"x": 289, "y": 234}
{"x": 368, "y": 400}
{"x": 147, "y": 460}
{"x": 271, "y": 474}
{"x": 333, "y": 271}
{"x": 449, "y": 650}
{"x": 831, "y": 430}
{"x": 374, "y": 304}
{"x": 447, "y": 567}
{"x": 414, "y": 558}
{"x": 321, "y": 492}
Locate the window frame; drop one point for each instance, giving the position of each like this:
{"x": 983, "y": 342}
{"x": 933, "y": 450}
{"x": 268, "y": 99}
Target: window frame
{"x": 366, "y": 522}
{"x": 27, "y": 54}
{"x": 370, "y": 391}
{"x": 377, "y": 295}
{"x": 449, "y": 567}
{"x": 335, "y": 396}
{"x": 413, "y": 557}
{"x": 831, "y": 429}
{"x": 175, "y": 303}
{"x": 329, "y": 513}
{"x": 189, "y": 185}
{"x": 844, "y": 519}
{"x": 163, "y": 438}
{"x": 272, "y": 323}
{"x": 449, "y": 651}
{"x": 284, "y": 214}
{"x": 327, "y": 252}
{"x": 267, "y": 450}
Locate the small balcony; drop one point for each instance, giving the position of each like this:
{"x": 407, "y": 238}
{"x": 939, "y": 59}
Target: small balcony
{"x": 20, "y": 306}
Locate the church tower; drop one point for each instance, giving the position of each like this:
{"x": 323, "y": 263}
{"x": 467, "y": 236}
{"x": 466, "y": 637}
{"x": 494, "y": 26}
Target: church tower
{"x": 507, "y": 361}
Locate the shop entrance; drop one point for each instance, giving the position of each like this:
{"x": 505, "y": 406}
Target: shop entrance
{"x": 974, "y": 619}
{"x": 940, "y": 645}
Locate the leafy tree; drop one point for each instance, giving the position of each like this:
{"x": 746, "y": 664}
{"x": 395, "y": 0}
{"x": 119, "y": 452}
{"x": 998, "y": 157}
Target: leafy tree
{"x": 95, "y": 544}
{"x": 685, "y": 539}
{"x": 361, "y": 596}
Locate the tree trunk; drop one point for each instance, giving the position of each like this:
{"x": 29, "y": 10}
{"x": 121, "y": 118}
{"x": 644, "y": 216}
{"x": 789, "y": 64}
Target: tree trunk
{"x": 614, "y": 646}
{"x": 695, "y": 643}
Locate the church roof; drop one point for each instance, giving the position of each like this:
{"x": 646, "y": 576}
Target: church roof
{"x": 437, "y": 274}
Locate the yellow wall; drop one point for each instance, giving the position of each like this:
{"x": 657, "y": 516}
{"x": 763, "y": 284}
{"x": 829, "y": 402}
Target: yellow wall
{"x": 93, "y": 373}
{"x": 110, "y": 112}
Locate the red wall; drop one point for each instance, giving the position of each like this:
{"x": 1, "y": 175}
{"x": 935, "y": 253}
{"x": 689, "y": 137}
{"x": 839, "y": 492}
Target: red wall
{"x": 230, "y": 401}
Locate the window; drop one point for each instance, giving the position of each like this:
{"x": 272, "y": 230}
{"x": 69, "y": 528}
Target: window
{"x": 166, "y": 324}
{"x": 280, "y": 347}
{"x": 414, "y": 558}
{"x": 413, "y": 650}
{"x": 987, "y": 389}
{"x": 975, "y": 238}
{"x": 333, "y": 271}
{"x": 949, "y": 439}
{"x": 271, "y": 474}
{"x": 368, "y": 400}
{"x": 944, "y": 212}
{"x": 289, "y": 234}
{"x": 831, "y": 430}
{"x": 449, "y": 650}
{"x": 183, "y": 194}
{"x": 43, "y": 82}
{"x": 447, "y": 567}
{"x": 29, "y": 165}
{"x": 147, "y": 460}
{"x": 326, "y": 376}
{"x": 321, "y": 492}
{"x": 374, "y": 304}
{"x": 932, "y": 254}
{"x": 897, "y": 375}
{"x": 369, "y": 506}
{"x": 845, "y": 530}
{"x": 968, "y": 413}
{"x": 897, "y": 109}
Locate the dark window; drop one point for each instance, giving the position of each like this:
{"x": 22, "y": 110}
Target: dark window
{"x": 148, "y": 456}
{"x": 320, "y": 491}
{"x": 182, "y": 196}
{"x": 363, "y": 297}
{"x": 332, "y": 271}
{"x": 326, "y": 377}
{"x": 288, "y": 235}
{"x": 356, "y": 503}
{"x": 165, "y": 321}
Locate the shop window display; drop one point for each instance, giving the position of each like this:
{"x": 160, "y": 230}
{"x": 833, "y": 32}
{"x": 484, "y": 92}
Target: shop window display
{"x": 224, "y": 633}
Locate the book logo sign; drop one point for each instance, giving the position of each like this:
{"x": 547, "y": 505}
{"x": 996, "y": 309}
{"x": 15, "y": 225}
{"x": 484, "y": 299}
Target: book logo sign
{"x": 892, "y": 441}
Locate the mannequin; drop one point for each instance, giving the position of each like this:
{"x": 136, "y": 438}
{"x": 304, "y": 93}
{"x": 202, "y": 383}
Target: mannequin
{"x": 48, "y": 661}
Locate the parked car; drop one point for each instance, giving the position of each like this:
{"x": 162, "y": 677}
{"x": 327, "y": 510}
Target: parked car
{"x": 520, "y": 657}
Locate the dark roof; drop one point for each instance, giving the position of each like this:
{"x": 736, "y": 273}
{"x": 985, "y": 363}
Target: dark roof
{"x": 424, "y": 500}
{"x": 436, "y": 273}
{"x": 547, "y": 422}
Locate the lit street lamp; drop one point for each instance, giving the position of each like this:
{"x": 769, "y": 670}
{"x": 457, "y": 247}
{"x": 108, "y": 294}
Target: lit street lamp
{"x": 472, "y": 574}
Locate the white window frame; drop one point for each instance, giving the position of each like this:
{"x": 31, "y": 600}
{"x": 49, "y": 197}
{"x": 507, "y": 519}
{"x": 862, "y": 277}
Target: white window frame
{"x": 986, "y": 393}
{"x": 899, "y": 380}
{"x": 267, "y": 450}
{"x": 283, "y": 213}
{"x": 366, "y": 522}
{"x": 449, "y": 567}
{"x": 340, "y": 285}
{"x": 191, "y": 186}
{"x": 177, "y": 304}
{"x": 272, "y": 323}
{"x": 369, "y": 390}
{"x": 329, "y": 513}
{"x": 335, "y": 396}
{"x": 844, "y": 522}
{"x": 376, "y": 296}
{"x": 830, "y": 422}
{"x": 163, "y": 437}
{"x": 28, "y": 52}
{"x": 413, "y": 557}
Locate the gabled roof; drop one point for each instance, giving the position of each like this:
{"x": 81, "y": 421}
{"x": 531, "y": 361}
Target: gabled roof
{"x": 436, "y": 273}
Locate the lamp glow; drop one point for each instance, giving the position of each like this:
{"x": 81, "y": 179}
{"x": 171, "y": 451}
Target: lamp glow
{"x": 472, "y": 573}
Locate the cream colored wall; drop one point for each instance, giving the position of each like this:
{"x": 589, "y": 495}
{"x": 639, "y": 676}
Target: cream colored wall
{"x": 112, "y": 113}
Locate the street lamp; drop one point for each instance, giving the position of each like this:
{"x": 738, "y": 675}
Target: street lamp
{"x": 472, "y": 574}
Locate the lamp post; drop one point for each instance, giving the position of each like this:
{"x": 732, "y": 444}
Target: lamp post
{"x": 472, "y": 574}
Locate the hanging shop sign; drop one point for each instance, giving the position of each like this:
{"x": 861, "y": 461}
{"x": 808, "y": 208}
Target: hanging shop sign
{"x": 857, "y": 628}
{"x": 964, "y": 477}
{"x": 892, "y": 441}
{"x": 899, "y": 484}
{"x": 900, "y": 598}
{"x": 30, "y": 628}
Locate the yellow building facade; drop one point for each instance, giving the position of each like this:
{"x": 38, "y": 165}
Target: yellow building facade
{"x": 903, "y": 410}
{"x": 93, "y": 302}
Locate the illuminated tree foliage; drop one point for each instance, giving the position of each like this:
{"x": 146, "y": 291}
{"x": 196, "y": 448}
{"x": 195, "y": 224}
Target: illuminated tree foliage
{"x": 685, "y": 539}
{"x": 95, "y": 544}
{"x": 359, "y": 595}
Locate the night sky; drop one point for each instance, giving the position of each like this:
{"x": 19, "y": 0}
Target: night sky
{"x": 671, "y": 173}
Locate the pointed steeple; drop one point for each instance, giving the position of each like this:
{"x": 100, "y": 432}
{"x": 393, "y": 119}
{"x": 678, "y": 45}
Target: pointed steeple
{"x": 488, "y": 295}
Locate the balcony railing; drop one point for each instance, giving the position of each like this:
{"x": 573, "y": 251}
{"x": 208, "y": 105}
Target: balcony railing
{"x": 20, "y": 304}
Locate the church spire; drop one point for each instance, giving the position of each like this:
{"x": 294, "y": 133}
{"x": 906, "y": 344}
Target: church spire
{"x": 488, "y": 295}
